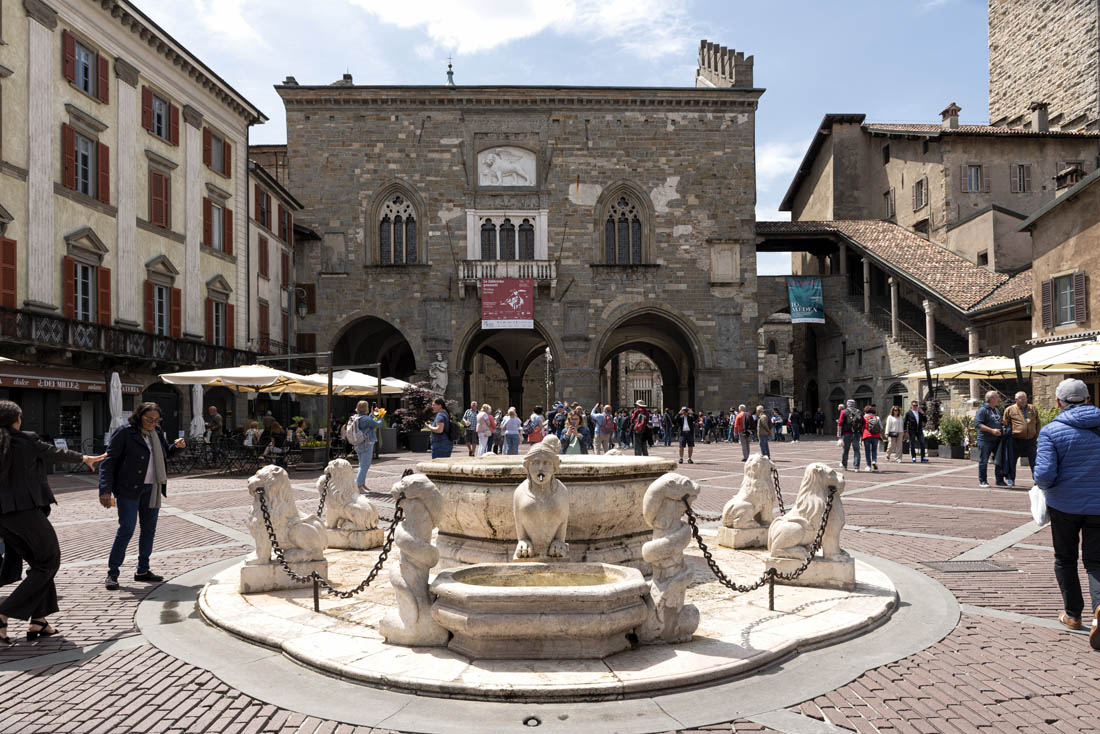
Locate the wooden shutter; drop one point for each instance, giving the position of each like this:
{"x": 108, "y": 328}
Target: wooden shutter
{"x": 962, "y": 178}
{"x": 227, "y": 237}
{"x": 68, "y": 286}
{"x": 209, "y": 320}
{"x": 286, "y": 330}
{"x": 207, "y": 221}
{"x": 986, "y": 182}
{"x": 282, "y": 223}
{"x": 156, "y": 198}
{"x": 284, "y": 278}
{"x": 68, "y": 56}
{"x": 229, "y": 325}
{"x": 68, "y": 156}
{"x": 173, "y": 124}
{"x": 265, "y": 322}
{"x": 1014, "y": 178}
{"x": 8, "y": 273}
{"x": 1027, "y": 178}
{"x": 147, "y": 108}
{"x": 103, "y": 295}
{"x": 256, "y": 216}
{"x": 1080, "y": 297}
{"x": 103, "y": 173}
{"x": 263, "y": 256}
{"x": 207, "y": 147}
{"x": 1046, "y": 300}
{"x": 175, "y": 312}
{"x": 290, "y": 229}
{"x": 102, "y": 80}
{"x": 150, "y": 306}
{"x": 227, "y": 162}
{"x": 307, "y": 343}
{"x": 166, "y": 193}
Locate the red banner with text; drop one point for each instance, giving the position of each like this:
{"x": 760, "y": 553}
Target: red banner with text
{"x": 507, "y": 303}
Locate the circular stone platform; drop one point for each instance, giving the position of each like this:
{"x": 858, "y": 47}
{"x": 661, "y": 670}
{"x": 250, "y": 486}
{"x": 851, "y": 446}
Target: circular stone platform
{"x": 737, "y": 635}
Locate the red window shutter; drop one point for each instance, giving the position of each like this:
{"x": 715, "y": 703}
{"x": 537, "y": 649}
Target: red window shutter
{"x": 290, "y": 229}
{"x": 173, "y": 124}
{"x": 284, "y": 270}
{"x": 103, "y": 80}
{"x": 156, "y": 198}
{"x": 257, "y": 215}
{"x": 103, "y": 295}
{"x": 68, "y": 156}
{"x": 1046, "y": 300}
{"x": 8, "y": 273}
{"x": 68, "y": 286}
{"x": 1080, "y": 297}
{"x": 175, "y": 313}
{"x": 209, "y": 320}
{"x": 265, "y": 322}
{"x": 150, "y": 307}
{"x": 282, "y": 223}
{"x": 229, "y": 325}
{"x": 263, "y": 256}
{"x": 166, "y": 194}
{"x": 227, "y": 238}
{"x": 207, "y": 221}
{"x": 147, "y": 108}
{"x": 68, "y": 56}
{"x": 307, "y": 343}
{"x": 227, "y": 163}
{"x": 286, "y": 329}
{"x": 103, "y": 170}
{"x": 207, "y": 147}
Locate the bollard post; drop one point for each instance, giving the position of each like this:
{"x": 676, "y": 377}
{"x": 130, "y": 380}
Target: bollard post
{"x": 771, "y": 592}
{"x": 316, "y": 594}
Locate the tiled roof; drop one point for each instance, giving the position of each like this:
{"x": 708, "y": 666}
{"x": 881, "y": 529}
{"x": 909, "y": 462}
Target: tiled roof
{"x": 996, "y": 130}
{"x": 935, "y": 268}
{"x": 1015, "y": 289}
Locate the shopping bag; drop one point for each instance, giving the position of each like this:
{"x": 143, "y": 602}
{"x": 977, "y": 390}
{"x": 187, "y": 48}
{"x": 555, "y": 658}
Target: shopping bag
{"x": 1039, "y": 506}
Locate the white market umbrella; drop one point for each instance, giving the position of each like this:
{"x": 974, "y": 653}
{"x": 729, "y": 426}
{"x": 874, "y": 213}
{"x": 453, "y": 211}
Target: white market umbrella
{"x": 198, "y": 425}
{"x": 114, "y": 402}
{"x": 349, "y": 382}
{"x": 5, "y": 359}
{"x": 981, "y": 368}
{"x": 1064, "y": 357}
{"x": 250, "y": 378}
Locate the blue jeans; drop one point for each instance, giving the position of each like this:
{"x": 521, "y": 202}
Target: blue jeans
{"x": 131, "y": 512}
{"x": 365, "y": 452}
{"x": 795, "y": 431}
{"x": 442, "y": 449}
{"x": 764, "y": 445}
{"x": 986, "y": 451}
{"x": 511, "y": 443}
{"x": 851, "y": 443}
{"x": 870, "y": 447}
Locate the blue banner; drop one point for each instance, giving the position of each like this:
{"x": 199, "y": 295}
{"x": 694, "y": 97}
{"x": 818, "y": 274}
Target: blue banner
{"x": 807, "y": 302}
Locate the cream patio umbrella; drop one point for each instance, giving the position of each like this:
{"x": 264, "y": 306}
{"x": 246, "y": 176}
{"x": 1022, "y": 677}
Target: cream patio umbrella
{"x": 250, "y": 378}
{"x": 1072, "y": 357}
{"x": 349, "y": 382}
{"x": 981, "y": 368}
{"x": 114, "y": 402}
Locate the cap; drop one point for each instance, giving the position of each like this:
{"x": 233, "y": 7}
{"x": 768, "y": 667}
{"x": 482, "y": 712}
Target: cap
{"x": 851, "y": 401}
{"x": 639, "y": 403}
{"x": 1072, "y": 391}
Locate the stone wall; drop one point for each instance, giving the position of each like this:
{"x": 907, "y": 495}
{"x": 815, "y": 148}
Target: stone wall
{"x": 1044, "y": 52}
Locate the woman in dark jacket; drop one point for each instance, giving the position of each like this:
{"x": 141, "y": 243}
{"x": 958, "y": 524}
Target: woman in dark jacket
{"x": 25, "y": 500}
{"x": 135, "y": 473}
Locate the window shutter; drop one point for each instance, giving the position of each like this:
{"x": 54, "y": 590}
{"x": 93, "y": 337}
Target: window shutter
{"x": 263, "y": 256}
{"x": 986, "y": 183}
{"x": 175, "y": 313}
{"x": 68, "y": 156}
{"x": 290, "y": 229}
{"x": 229, "y": 325}
{"x": 1080, "y": 297}
{"x": 1027, "y": 178}
{"x": 265, "y": 324}
{"x": 915, "y": 196}
{"x": 282, "y": 224}
{"x": 207, "y": 217}
{"x": 174, "y": 124}
{"x": 227, "y": 159}
{"x": 286, "y": 331}
{"x": 284, "y": 279}
{"x": 209, "y": 320}
{"x": 8, "y": 273}
{"x": 256, "y": 216}
{"x": 150, "y": 307}
{"x": 166, "y": 195}
{"x": 962, "y": 178}
{"x": 156, "y": 199}
{"x": 227, "y": 238}
{"x": 103, "y": 80}
{"x": 103, "y": 295}
{"x": 147, "y": 108}
{"x": 207, "y": 147}
{"x": 1046, "y": 299}
{"x": 68, "y": 56}
{"x": 307, "y": 343}
{"x": 68, "y": 286}
{"x": 103, "y": 171}
{"x": 1014, "y": 179}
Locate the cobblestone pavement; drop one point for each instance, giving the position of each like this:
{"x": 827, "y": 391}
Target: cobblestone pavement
{"x": 1006, "y": 667}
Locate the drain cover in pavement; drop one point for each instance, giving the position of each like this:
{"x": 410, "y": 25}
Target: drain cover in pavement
{"x": 967, "y": 566}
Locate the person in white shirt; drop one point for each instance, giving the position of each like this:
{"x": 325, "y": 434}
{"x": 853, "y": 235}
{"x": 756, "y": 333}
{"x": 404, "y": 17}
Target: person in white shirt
{"x": 894, "y": 430}
{"x": 484, "y": 428}
{"x": 511, "y": 425}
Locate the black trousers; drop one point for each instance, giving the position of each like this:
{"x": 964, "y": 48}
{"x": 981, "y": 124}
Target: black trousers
{"x": 1024, "y": 447}
{"x": 1069, "y": 530}
{"x": 30, "y": 534}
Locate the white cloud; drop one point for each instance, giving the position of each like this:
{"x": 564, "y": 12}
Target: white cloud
{"x": 645, "y": 28}
{"x": 773, "y": 263}
{"x": 776, "y": 162}
{"x": 226, "y": 20}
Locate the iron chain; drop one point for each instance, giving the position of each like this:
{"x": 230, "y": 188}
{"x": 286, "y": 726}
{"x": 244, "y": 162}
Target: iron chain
{"x": 778, "y": 491}
{"x": 323, "y": 491}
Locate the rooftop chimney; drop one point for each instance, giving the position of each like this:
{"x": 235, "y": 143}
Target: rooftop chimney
{"x": 290, "y": 82}
{"x": 950, "y": 116}
{"x": 1039, "y": 119}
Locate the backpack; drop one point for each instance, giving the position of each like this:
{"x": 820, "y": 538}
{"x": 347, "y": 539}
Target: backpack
{"x": 352, "y": 434}
{"x": 454, "y": 431}
{"x": 640, "y": 422}
{"x": 874, "y": 425}
{"x": 853, "y": 421}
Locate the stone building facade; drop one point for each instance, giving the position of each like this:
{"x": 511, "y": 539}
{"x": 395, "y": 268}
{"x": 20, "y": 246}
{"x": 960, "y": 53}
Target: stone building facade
{"x": 1044, "y": 52}
{"x": 631, "y": 209}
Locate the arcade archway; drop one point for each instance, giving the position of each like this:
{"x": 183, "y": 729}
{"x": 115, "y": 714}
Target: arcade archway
{"x": 506, "y": 368}
{"x": 370, "y": 340}
{"x": 664, "y": 343}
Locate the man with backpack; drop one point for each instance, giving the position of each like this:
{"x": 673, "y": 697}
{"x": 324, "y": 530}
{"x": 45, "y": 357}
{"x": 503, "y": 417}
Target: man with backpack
{"x": 850, "y": 429}
{"x": 603, "y": 423}
{"x": 639, "y": 426}
{"x": 359, "y": 432}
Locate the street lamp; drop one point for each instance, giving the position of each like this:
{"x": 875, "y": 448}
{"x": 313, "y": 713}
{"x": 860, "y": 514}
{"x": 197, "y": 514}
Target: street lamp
{"x": 301, "y": 308}
{"x": 549, "y": 360}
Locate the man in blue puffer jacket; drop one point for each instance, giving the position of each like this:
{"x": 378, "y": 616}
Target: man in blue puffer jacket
{"x": 1068, "y": 468}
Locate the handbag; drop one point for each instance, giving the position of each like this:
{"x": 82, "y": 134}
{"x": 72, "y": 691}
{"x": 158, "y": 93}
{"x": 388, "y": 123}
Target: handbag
{"x": 1039, "y": 510}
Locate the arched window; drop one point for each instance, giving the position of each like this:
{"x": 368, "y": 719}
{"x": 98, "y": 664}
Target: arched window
{"x": 771, "y": 347}
{"x": 397, "y": 241}
{"x": 488, "y": 240}
{"x": 775, "y": 387}
{"x": 623, "y": 232}
{"x": 507, "y": 240}
{"x": 526, "y": 240}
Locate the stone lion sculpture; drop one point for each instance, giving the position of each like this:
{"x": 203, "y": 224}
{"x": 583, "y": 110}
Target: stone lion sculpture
{"x": 792, "y": 535}
{"x": 302, "y": 537}
{"x": 411, "y": 622}
{"x": 541, "y": 504}
{"x": 669, "y": 620}
{"x": 746, "y": 517}
{"x": 351, "y": 519}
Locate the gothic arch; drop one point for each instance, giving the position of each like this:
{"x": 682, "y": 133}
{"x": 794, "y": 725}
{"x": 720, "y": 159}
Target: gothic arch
{"x": 398, "y": 335}
{"x": 382, "y": 204}
{"x": 700, "y": 355}
{"x": 637, "y": 203}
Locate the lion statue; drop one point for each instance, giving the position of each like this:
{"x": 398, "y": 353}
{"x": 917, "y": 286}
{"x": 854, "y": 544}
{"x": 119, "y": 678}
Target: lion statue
{"x": 792, "y": 535}
{"x": 345, "y": 507}
{"x": 302, "y": 537}
{"x": 751, "y": 507}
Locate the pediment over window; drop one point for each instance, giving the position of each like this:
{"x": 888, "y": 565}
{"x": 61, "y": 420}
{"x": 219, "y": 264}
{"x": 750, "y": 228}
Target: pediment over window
{"x": 218, "y": 288}
{"x": 161, "y": 270}
{"x": 85, "y": 245}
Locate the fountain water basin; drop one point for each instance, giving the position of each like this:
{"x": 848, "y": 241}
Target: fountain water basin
{"x": 539, "y": 610}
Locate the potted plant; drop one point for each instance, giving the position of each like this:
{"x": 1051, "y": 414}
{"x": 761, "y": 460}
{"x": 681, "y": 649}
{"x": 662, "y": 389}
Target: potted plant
{"x": 951, "y": 434}
{"x": 416, "y": 411}
{"x": 313, "y": 451}
{"x": 932, "y": 440}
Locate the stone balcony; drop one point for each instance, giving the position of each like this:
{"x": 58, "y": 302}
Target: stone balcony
{"x": 471, "y": 272}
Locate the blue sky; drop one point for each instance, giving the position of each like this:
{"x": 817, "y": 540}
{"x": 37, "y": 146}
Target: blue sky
{"x": 895, "y": 60}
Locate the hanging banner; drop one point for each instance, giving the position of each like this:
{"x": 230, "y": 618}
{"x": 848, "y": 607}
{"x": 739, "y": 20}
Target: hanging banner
{"x": 507, "y": 303}
{"x": 807, "y": 303}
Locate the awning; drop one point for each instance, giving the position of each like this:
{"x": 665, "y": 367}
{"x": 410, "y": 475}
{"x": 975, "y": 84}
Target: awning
{"x": 70, "y": 379}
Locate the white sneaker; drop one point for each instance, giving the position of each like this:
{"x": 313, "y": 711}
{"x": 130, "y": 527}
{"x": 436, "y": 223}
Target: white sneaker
{"x": 983, "y": 485}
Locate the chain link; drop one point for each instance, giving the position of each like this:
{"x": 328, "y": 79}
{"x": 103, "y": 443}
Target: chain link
{"x": 387, "y": 546}
{"x": 768, "y": 573}
{"x": 778, "y": 491}
{"x": 322, "y": 489}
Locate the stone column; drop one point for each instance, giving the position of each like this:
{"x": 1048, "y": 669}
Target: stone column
{"x": 843, "y": 255}
{"x": 130, "y": 308}
{"x": 866, "y": 286}
{"x": 973, "y": 348}
{"x": 193, "y": 295}
{"x": 43, "y": 136}
{"x": 894, "y": 307}
{"x": 930, "y": 332}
